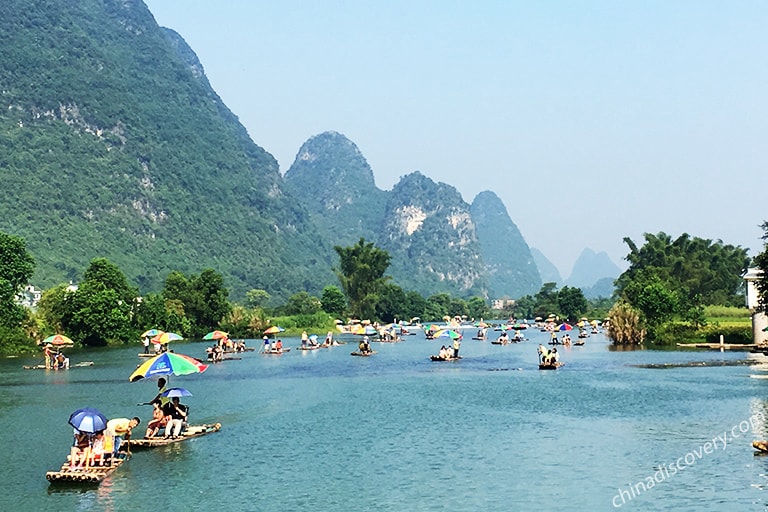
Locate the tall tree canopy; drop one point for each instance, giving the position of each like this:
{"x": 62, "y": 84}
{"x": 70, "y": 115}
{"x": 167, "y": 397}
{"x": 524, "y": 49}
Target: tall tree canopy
{"x": 700, "y": 271}
{"x": 361, "y": 274}
{"x": 16, "y": 267}
{"x": 100, "y": 311}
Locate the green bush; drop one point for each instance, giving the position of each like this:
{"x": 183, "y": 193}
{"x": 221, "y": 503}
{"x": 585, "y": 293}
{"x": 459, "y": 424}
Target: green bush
{"x": 731, "y": 333}
{"x": 671, "y": 333}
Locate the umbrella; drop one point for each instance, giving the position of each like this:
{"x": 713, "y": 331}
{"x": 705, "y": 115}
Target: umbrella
{"x": 367, "y": 330}
{"x": 274, "y": 330}
{"x": 447, "y": 333}
{"x": 151, "y": 333}
{"x": 165, "y": 337}
{"x": 519, "y": 327}
{"x": 168, "y": 363}
{"x": 216, "y": 335}
{"x": 88, "y": 420}
{"x": 564, "y": 327}
{"x": 172, "y": 392}
{"x": 58, "y": 339}
{"x": 765, "y": 329}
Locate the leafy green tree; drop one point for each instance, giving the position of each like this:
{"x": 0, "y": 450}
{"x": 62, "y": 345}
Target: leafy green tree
{"x": 700, "y": 271}
{"x": 361, "y": 274}
{"x": 653, "y": 298}
{"x": 99, "y": 311}
{"x": 571, "y": 302}
{"x": 52, "y": 309}
{"x": 333, "y": 301}
{"x": 101, "y": 270}
{"x": 203, "y": 298}
{"x": 237, "y": 322}
{"x": 438, "y": 307}
{"x": 16, "y": 268}
{"x": 546, "y": 300}
{"x": 155, "y": 311}
{"x": 391, "y": 303}
{"x": 302, "y": 303}
{"x": 525, "y": 307}
{"x": 256, "y": 298}
{"x": 414, "y": 306}
{"x": 477, "y": 308}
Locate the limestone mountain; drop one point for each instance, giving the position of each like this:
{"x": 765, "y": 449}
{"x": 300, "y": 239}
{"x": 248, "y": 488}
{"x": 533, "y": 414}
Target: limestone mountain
{"x": 509, "y": 265}
{"x": 334, "y": 182}
{"x": 429, "y": 232}
{"x": 113, "y": 144}
{"x": 547, "y": 270}
{"x": 590, "y": 267}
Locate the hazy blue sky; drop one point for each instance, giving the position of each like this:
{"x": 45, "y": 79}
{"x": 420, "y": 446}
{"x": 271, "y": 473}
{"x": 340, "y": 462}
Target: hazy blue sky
{"x": 592, "y": 120}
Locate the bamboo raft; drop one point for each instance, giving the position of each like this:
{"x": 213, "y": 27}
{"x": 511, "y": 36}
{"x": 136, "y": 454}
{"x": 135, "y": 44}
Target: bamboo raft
{"x": 275, "y": 352}
{"x": 760, "y": 446}
{"x": 88, "y": 475}
{"x": 363, "y": 354}
{"x": 438, "y": 358}
{"x": 190, "y": 432}
{"x": 81, "y": 364}
{"x": 551, "y": 366}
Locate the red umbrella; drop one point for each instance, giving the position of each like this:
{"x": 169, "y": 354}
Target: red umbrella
{"x": 565, "y": 327}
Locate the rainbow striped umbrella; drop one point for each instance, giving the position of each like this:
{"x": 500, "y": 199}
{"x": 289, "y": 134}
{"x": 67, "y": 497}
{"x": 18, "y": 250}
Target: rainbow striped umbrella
{"x": 168, "y": 363}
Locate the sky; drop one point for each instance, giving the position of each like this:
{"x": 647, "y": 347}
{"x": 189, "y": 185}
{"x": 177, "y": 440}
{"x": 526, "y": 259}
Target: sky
{"x": 591, "y": 120}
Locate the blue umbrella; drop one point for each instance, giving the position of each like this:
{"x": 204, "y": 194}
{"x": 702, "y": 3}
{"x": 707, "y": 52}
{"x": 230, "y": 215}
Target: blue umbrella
{"x": 88, "y": 420}
{"x": 172, "y": 392}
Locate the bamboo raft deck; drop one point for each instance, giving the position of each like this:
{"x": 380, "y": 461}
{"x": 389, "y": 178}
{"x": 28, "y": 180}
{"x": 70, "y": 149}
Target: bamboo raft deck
{"x": 89, "y": 475}
{"x": 190, "y": 432}
{"x": 550, "y": 366}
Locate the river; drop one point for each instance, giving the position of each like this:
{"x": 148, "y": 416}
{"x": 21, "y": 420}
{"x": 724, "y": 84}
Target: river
{"x": 323, "y": 431}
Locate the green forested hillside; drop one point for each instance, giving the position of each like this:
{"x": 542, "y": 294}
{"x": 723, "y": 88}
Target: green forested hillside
{"x": 429, "y": 232}
{"x": 332, "y": 179}
{"x": 113, "y": 144}
{"x": 509, "y": 265}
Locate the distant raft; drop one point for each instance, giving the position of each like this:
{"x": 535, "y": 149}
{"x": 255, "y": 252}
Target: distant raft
{"x": 550, "y": 366}
{"x": 363, "y": 354}
{"x": 438, "y": 358}
{"x": 760, "y": 446}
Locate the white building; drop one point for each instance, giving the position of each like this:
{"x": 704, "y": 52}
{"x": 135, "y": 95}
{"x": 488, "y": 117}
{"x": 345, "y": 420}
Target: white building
{"x": 29, "y": 296}
{"x": 759, "y": 319}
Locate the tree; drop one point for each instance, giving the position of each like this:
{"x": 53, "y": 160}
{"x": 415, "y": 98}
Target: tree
{"x": 546, "y": 300}
{"x": 414, "y": 306}
{"x": 204, "y": 298}
{"x": 478, "y": 308}
{"x": 333, "y": 301}
{"x": 361, "y": 274}
{"x": 16, "y": 268}
{"x": 571, "y": 302}
{"x": 653, "y": 298}
{"x": 99, "y": 311}
{"x": 256, "y": 298}
{"x": 698, "y": 270}
{"x": 391, "y": 304}
{"x": 302, "y": 303}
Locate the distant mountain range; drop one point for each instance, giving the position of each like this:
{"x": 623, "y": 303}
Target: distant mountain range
{"x": 113, "y": 144}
